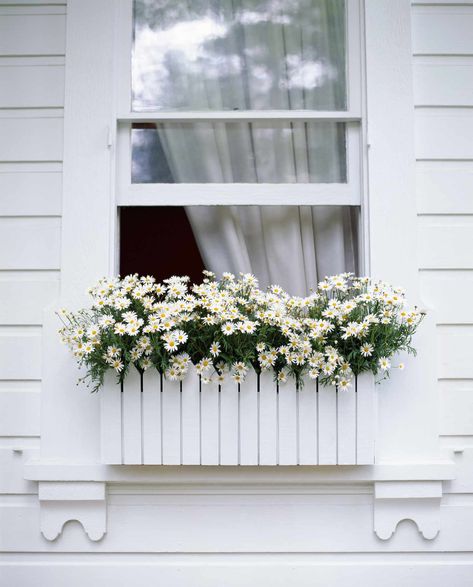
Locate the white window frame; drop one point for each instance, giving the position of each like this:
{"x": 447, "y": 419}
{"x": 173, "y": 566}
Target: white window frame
{"x": 162, "y": 194}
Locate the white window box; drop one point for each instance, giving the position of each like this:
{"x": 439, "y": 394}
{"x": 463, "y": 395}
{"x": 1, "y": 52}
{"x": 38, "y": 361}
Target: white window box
{"x": 152, "y": 421}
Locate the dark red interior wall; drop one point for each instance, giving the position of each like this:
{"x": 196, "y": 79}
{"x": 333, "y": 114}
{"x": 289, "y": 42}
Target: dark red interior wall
{"x": 158, "y": 241}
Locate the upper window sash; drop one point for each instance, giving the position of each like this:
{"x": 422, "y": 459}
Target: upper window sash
{"x": 123, "y": 77}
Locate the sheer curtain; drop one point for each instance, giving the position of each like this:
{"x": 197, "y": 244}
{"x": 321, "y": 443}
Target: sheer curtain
{"x": 254, "y": 55}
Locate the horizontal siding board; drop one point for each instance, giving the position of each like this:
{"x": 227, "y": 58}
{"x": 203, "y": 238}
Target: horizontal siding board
{"x": 23, "y": 300}
{"x": 32, "y": 86}
{"x": 443, "y": 81}
{"x": 442, "y": 30}
{"x": 33, "y": 34}
{"x": 19, "y": 413}
{"x": 455, "y": 352}
{"x": 444, "y": 133}
{"x": 21, "y": 355}
{"x": 456, "y": 412}
{"x": 30, "y": 194}
{"x": 450, "y": 294}
{"x": 444, "y": 187}
{"x": 30, "y": 243}
{"x": 446, "y": 243}
{"x": 31, "y": 139}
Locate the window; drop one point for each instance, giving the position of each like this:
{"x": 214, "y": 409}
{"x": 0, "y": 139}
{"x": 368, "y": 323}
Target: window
{"x": 246, "y": 117}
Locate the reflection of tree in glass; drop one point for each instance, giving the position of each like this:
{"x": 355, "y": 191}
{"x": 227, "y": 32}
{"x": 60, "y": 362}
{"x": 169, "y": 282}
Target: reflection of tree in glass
{"x": 239, "y": 54}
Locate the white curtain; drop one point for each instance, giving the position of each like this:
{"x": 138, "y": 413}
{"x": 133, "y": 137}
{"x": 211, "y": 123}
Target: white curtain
{"x": 254, "y": 55}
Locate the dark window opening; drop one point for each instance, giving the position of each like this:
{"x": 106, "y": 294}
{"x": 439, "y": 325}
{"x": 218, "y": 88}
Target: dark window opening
{"x": 158, "y": 241}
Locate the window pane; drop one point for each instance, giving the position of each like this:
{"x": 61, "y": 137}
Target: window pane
{"x": 239, "y": 152}
{"x": 239, "y": 55}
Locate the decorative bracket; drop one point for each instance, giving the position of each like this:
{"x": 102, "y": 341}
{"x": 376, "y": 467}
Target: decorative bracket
{"x": 418, "y": 501}
{"x": 63, "y": 501}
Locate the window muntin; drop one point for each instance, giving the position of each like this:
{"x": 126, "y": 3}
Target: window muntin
{"x": 239, "y": 55}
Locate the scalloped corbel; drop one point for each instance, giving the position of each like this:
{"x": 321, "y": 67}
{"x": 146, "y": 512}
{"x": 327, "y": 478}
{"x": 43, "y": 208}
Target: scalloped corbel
{"x": 395, "y": 501}
{"x": 64, "y": 501}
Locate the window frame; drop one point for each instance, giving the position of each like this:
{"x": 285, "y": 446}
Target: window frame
{"x": 162, "y": 194}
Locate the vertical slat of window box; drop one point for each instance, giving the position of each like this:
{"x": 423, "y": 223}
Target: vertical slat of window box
{"x": 111, "y": 420}
{"x": 268, "y": 419}
{"x": 132, "y": 418}
{"x": 287, "y": 422}
{"x": 346, "y": 428}
{"x": 171, "y": 421}
{"x": 229, "y": 449}
{"x": 327, "y": 424}
{"x": 152, "y": 417}
{"x": 190, "y": 418}
{"x": 249, "y": 419}
{"x": 308, "y": 422}
{"x": 366, "y": 419}
{"x": 209, "y": 424}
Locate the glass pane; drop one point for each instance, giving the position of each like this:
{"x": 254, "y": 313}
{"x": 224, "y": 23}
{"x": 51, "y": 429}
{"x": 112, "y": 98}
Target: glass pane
{"x": 239, "y": 55}
{"x": 239, "y": 152}
{"x": 292, "y": 246}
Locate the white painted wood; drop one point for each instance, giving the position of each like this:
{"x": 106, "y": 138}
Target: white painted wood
{"x": 346, "y": 426}
{"x": 30, "y": 194}
{"x": 31, "y": 139}
{"x": 191, "y": 418}
{"x": 111, "y": 420}
{"x": 449, "y": 293}
{"x": 442, "y": 30}
{"x": 209, "y": 424}
{"x": 25, "y": 295}
{"x": 19, "y": 410}
{"x": 444, "y": 187}
{"x": 307, "y": 417}
{"x": 455, "y": 352}
{"x": 249, "y": 407}
{"x": 171, "y": 421}
{"x": 229, "y": 424}
{"x": 327, "y": 425}
{"x": 268, "y": 419}
{"x": 287, "y": 423}
{"x": 443, "y": 81}
{"x": 366, "y": 419}
{"x": 29, "y": 243}
{"x": 444, "y": 133}
{"x": 20, "y": 349}
{"x": 446, "y": 242}
{"x": 32, "y": 35}
{"x": 132, "y": 418}
{"x": 456, "y": 407}
{"x": 32, "y": 86}
{"x": 152, "y": 447}
{"x": 12, "y": 461}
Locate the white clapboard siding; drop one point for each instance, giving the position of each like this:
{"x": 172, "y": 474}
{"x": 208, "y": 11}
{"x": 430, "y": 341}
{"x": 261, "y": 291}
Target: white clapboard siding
{"x": 444, "y": 187}
{"x": 442, "y": 30}
{"x": 31, "y": 139}
{"x": 456, "y": 409}
{"x": 32, "y": 86}
{"x": 450, "y": 293}
{"x": 24, "y": 296}
{"x": 443, "y": 81}
{"x": 236, "y": 424}
{"x": 20, "y": 352}
{"x": 30, "y": 193}
{"x": 19, "y": 410}
{"x": 30, "y": 243}
{"x": 32, "y": 34}
{"x": 446, "y": 243}
{"x": 444, "y": 133}
{"x": 455, "y": 352}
